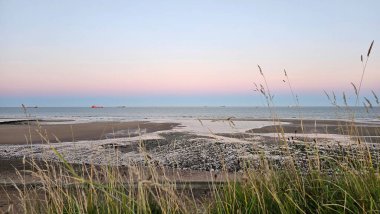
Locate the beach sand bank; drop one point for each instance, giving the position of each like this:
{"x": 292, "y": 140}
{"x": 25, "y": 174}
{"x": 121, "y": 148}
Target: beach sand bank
{"x": 23, "y": 133}
{"x": 339, "y": 127}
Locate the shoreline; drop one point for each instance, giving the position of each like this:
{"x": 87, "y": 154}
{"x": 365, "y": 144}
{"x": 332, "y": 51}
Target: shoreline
{"x": 29, "y": 131}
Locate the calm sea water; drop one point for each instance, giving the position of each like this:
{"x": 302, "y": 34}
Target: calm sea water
{"x": 173, "y": 113}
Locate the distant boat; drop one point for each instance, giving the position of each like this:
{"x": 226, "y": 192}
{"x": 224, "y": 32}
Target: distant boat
{"x": 94, "y": 106}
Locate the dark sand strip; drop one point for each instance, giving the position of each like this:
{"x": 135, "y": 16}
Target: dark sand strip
{"x": 23, "y": 133}
{"x": 323, "y": 127}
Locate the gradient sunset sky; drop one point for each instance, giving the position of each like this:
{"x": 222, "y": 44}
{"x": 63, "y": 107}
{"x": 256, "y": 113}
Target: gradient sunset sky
{"x": 183, "y": 53}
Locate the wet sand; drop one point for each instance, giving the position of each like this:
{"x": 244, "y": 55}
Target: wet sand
{"x": 22, "y": 133}
{"x": 322, "y": 127}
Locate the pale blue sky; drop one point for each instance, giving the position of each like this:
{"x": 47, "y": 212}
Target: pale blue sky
{"x": 78, "y": 53}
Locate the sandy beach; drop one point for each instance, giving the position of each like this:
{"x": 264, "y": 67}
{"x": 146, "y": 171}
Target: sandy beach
{"x": 190, "y": 150}
{"x": 200, "y": 145}
{"x": 23, "y": 132}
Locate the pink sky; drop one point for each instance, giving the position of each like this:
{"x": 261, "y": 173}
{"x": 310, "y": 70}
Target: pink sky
{"x": 173, "y": 78}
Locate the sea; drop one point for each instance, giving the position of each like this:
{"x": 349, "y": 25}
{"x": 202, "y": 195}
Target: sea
{"x": 87, "y": 114}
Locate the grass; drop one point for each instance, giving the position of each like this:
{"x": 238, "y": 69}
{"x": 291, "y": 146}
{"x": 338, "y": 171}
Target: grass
{"x": 346, "y": 183}
{"x": 287, "y": 191}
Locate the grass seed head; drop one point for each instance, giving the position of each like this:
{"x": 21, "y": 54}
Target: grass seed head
{"x": 370, "y": 48}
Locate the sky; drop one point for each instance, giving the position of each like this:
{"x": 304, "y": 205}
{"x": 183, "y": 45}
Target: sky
{"x": 184, "y": 53}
